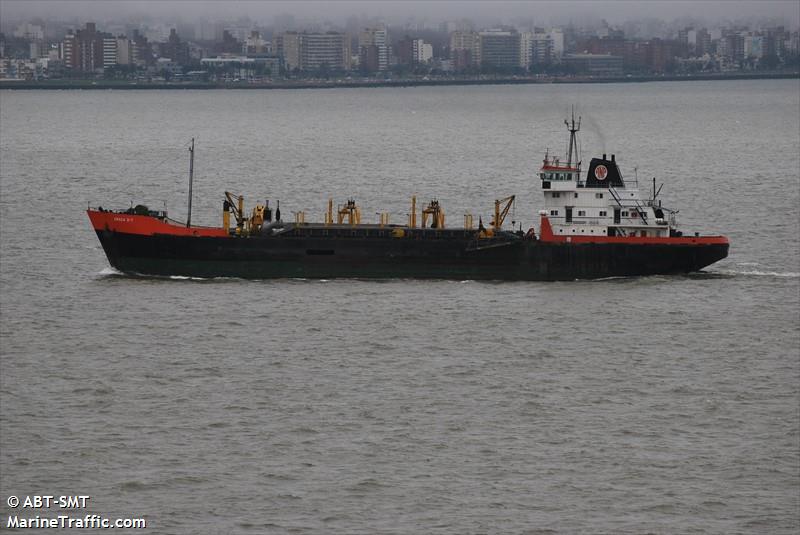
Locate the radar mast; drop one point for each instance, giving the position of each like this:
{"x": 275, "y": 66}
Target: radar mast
{"x": 573, "y": 130}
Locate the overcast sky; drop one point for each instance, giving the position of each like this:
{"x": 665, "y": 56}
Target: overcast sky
{"x": 396, "y": 11}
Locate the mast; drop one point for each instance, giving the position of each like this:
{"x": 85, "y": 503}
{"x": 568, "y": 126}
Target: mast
{"x": 191, "y": 177}
{"x": 573, "y": 129}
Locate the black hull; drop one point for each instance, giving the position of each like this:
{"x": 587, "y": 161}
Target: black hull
{"x": 458, "y": 259}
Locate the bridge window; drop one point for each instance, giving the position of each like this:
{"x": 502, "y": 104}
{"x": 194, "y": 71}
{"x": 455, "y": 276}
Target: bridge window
{"x": 581, "y": 213}
{"x": 603, "y": 213}
{"x": 576, "y": 195}
{"x": 598, "y": 195}
{"x": 553, "y": 212}
{"x": 624, "y": 213}
{"x": 556, "y": 194}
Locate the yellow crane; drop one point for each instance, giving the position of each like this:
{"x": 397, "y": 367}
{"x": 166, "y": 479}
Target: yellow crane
{"x": 500, "y": 215}
{"x": 237, "y": 207}
{"x": 351, "y": 212}
{"x": 435, "y": 212}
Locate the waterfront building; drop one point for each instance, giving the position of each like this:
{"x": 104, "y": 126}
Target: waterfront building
{"x": 288, "y": 47}
{"x": 499, "y": 48}
{"x": 329, "y": 49}
{"x": 595, "y": 64}
{"x": 659, "y": 55}
{"x": 731, "y": 47}
{"x": 141, "y": 51}
{"x": 422, "y": 52}
{"x": 254, "y": 45}
{"x": 37, "y": 49}
{"x": 464, "y": 48}
{"x": 124, "y": 51}
{"x": 242, "y": 67}
{"x": 109, "y": 50}
{"x": 88, "y": 50}
{"x": 754, "y": 46}
{"x": 20, "y": 69}
{"x": 684, "y": 44}
{"x": 525, "y": 49}
{"x": 404, "y": 51}
{"x": 311, "y": 51}
{"x": 373, "y": 49}
{"x": 556, "y": 37}
{"x": 702, "y": 42}
{"x": 174, "y": 48}
{"x": 229, "y": 44}
{"x": 542, "y": 49}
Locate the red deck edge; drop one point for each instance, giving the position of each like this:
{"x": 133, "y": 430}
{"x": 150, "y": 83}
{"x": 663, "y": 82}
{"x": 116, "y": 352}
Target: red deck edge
{"x": 546, "y": 235}
{"x": 146, "y": 225}
{"x": 558, "y": 168}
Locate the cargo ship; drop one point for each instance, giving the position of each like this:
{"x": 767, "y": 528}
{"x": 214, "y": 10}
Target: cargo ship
{"x": 593, "y": 225}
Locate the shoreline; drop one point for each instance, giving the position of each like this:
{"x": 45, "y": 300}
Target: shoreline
{"x": 340, "y": 83}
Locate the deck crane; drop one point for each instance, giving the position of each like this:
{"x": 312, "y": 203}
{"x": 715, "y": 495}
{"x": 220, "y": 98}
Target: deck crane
{"x": 500, "y": 214}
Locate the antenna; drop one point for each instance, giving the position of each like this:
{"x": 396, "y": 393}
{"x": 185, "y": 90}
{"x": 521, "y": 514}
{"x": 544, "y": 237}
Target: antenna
{"x": 573, "y": 129}
{"x": 191, "y": 177}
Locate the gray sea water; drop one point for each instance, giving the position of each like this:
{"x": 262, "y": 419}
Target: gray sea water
{"x": 644, "y": 405}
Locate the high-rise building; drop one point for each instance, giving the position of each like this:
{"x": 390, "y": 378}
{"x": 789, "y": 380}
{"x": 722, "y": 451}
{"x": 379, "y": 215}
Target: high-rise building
{"x": 88, "y": 50}
{"x": 404, "y": 51}
{"x": 542, "y": 49}
{"x": 525, "y": 49}
{"x": 175, "y": 49}
{"x": 682, "y": 46}
{"x": 208, "y": 31}
{"x": 288, "y": 48}
{"x": 69, "y": 46}
{"x": 255, "y": 45}
{"x": 464, "y": 48}
{"x": 109, "y": 50}
{"x": 124, "y": 51}
{"x": 373, "y": 49}
{"x": 731, "y": 46}
{"x": 754, "y": 46}
{"x": 229, "y": 43}
{"x": 421, "y": 51}
{"x": 311, "y": 51}
{"x": 330, "y": 49}
{"x": 499, "y": 48}
{"x": 535, "y": 48}
{"x": 141, "y": 51}
{"x": 557, "y": 38}
{"x": 702, "y": 42}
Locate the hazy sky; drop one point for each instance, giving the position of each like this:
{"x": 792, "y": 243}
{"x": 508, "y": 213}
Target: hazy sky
{"x": 397, "y": 11}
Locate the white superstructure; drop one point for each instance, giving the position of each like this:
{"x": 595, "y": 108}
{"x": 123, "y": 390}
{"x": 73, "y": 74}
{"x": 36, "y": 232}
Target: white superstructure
{"x": 600, "y": 203}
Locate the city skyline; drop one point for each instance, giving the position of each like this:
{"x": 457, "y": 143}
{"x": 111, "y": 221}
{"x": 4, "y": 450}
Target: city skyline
{"x": 414, "y": 12}
{"x": 243, "y": 49}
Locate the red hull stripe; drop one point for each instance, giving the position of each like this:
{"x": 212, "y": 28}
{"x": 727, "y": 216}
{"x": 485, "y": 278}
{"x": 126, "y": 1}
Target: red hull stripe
{"x": 546, "y": 235}
{"x": 146, "y": 225}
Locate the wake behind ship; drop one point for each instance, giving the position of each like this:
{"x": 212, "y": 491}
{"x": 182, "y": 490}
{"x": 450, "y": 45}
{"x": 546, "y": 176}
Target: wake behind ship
{"x": 592, "y": 226}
